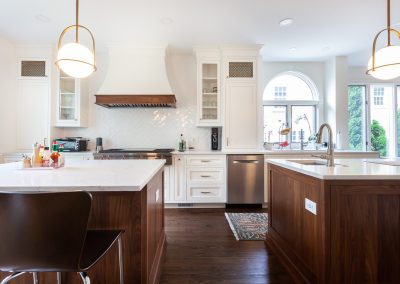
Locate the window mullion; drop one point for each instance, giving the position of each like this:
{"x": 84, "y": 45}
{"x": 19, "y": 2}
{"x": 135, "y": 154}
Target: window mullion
{"x": 367, "y": 125}
{"x": 395, "y": 130}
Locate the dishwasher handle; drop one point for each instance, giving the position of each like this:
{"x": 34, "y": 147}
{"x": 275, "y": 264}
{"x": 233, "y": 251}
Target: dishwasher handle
{"x": 245, "y": 161}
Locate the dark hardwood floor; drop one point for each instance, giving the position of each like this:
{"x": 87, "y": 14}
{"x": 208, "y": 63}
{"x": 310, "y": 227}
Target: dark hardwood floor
{"x": 202, "y": 249}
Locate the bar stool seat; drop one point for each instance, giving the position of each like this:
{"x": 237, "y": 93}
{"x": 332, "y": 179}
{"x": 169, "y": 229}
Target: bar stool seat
{"x": 47, "y": 232}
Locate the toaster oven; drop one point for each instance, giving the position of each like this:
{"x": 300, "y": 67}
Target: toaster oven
{"x": 73, "y": 144}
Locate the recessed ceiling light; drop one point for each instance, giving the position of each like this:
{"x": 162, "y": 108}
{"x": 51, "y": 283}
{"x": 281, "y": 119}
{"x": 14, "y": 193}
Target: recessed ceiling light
{"x": 166, "y": 21}
{"x": 286, "y": 22}
{"x": 42, "y": 18}
{"x": 293, "y": 48}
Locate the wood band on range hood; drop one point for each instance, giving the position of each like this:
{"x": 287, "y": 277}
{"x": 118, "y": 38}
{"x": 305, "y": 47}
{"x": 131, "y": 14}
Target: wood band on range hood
{"x": 125, "y": 101}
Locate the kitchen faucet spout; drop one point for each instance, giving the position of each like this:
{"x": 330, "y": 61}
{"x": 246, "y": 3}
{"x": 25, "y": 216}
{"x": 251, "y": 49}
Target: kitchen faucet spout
{"x": 330, "y": 162}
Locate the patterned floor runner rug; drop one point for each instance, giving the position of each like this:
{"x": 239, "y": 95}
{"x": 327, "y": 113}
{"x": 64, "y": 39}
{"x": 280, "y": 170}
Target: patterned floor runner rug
{"x": 248, "y": 226}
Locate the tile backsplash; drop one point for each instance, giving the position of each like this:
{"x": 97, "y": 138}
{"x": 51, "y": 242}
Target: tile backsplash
{"x": 150, "y": 127}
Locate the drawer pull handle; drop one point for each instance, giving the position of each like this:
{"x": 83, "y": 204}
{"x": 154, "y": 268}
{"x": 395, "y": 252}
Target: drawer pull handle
{"x": 205, "y": 176}
{"x": 206, "y": 192}
{"x": 205, "y": 161}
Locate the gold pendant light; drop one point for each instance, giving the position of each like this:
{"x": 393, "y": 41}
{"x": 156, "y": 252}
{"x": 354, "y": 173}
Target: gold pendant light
{"x": 73, "y": 58}
{"x": 385, "y": 63}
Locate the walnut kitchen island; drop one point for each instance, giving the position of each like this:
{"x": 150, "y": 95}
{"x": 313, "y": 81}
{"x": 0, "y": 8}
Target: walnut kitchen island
{"x": 336, "y": 224}
{"x": 127, "y": 194}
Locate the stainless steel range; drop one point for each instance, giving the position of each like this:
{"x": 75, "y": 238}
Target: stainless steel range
{"x": 144, "y": 154}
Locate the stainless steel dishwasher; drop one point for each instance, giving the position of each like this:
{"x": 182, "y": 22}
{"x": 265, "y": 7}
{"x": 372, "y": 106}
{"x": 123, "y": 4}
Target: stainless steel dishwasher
{"x": 245, "y": 179}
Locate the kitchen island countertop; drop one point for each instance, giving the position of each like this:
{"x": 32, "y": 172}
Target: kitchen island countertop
{"x": 345, "y": 169}
{"x": 91, "y": 175}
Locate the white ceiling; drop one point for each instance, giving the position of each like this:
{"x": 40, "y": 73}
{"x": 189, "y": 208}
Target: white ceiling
{"x": 321, "y": 28}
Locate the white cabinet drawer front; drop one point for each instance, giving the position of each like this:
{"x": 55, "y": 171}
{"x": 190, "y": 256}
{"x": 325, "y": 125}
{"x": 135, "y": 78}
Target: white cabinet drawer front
{"x": 206, "y": 193}
{"x": 207, "y": 161}
{"x": 201, "y": 175}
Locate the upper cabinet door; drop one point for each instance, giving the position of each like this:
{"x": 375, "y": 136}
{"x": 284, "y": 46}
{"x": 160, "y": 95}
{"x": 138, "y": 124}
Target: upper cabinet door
{"x": 72, "y": 98}
{"x": 32, "y": 113}
{"x": 241, "y": 115}
{"x": 209, "y": 93}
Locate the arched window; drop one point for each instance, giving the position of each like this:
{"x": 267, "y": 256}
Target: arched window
{"x": 290, "y": 102}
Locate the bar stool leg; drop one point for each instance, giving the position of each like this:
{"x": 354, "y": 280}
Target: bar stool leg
{"x": 10, "y": 277}
{"x": 85, "y": 277}
{"x": 120, "y": 260}
{"x": 58, "y": 277}
{"x": 35, "y": 278}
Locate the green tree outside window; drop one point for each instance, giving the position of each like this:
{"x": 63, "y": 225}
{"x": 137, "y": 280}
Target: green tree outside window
{"x": 378, "y": 138}
{"x": 355, "y": 117}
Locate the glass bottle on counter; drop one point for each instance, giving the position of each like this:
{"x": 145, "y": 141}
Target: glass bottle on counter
{"x": 61, "y": 157}
{"x": 182, "y": 144}
{"x": 36, "y": 159}
{"x": 46, "y": 157}
{"x": 55, "y": 155}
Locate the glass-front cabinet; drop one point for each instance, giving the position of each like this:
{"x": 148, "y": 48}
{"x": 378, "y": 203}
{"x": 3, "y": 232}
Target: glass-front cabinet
{"x": 210, "y": 93}
{"x": 209, "y": 99}
{"x": 71, "y": 102}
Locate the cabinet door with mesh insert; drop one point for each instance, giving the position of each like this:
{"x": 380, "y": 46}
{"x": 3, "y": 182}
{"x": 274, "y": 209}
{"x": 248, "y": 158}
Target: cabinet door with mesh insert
{"x": 241, "y": 70}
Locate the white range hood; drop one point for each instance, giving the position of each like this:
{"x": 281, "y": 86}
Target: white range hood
{"x": 133, "y": 73}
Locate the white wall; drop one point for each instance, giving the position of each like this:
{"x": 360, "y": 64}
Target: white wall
{"x": 8, "y": 99}
{"x": 150, "y": 127}
{"x": 336, "y": 105}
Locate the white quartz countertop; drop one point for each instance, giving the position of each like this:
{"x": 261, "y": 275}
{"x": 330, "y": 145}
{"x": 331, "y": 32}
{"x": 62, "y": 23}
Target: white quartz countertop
{"x": 90, "y": 175}
{"x": 345, "y": 169}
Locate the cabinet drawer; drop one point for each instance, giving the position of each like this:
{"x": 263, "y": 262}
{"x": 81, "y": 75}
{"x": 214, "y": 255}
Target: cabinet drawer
{"x": 198, "y": 193}
{"x": 207, "y": 161}
{"x": 202, "y": 175}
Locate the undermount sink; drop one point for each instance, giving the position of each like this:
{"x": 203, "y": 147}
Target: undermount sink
{"x": 313, "y": 163}
{"x": 309, "y": 162}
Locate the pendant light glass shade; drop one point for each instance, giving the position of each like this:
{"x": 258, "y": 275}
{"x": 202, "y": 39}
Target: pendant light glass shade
{"x": 384, "y": 64}
{"x": 73, "y": 58}
{"x": 76, "y": 60}
{"x": 387, "y": 63}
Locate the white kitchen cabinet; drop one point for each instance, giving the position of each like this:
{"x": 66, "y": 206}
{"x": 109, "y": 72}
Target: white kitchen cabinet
{"x": 241, "y": 115}
{"x": 206, "y": 179}
{"x": 72, "y": 101}
{"x": 168, "y": 183}
{"x": 198, "y": 179}
{"x": 32, "y": 112}
{"x": 198, "y": 193}
{"x": 179, "y": 190}
{"x": 241, "y": 96}
{"x": 205, "y": 160}
{"x": 209, "y": 95}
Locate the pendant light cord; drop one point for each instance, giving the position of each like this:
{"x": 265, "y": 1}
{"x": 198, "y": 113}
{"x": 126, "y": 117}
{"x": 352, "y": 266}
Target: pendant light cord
{"x": 388, "y": 22}
{"x": 76, "y": 20}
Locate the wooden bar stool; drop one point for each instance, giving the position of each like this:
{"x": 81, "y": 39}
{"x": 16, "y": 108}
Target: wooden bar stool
{"x": 47, "y": 232}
